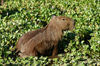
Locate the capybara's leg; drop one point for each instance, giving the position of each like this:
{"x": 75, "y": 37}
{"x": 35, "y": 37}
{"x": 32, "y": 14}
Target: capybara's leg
{"x": 34, "y": 53}
{"x": 23, "y": 55}
{"x": 55, "y": 51}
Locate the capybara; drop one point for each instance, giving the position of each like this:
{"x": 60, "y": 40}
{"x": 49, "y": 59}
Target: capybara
{"x": 44, "y": 41}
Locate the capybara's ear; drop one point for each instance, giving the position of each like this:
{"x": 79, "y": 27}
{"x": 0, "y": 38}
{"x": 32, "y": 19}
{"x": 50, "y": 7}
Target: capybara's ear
{"x": 53, "y": 17}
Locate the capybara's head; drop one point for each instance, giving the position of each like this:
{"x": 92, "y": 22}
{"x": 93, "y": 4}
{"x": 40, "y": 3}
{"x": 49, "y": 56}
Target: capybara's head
{"x": 65, "y": 23}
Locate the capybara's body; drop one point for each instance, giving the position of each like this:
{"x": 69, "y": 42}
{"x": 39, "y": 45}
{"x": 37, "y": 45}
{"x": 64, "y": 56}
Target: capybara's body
{"x": 44, "y": 41}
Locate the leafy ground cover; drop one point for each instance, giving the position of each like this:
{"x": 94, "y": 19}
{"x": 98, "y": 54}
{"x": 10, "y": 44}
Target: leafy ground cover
{"x": 81, "y": 46}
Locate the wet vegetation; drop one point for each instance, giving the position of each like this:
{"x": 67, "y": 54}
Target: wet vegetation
{"x": 80, "y": 47}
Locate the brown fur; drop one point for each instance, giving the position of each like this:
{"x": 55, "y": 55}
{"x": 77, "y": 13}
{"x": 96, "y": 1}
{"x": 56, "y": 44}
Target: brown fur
{"x": 1, "y": 2}
{"x": 44, "y": 41}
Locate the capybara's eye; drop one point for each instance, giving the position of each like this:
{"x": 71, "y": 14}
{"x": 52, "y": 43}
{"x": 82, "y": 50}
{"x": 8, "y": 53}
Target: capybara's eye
{"x": 63, "y": 19}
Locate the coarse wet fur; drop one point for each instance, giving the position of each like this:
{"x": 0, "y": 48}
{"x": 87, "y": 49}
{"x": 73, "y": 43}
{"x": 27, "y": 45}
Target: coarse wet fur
{"x": 44, "y": 41}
